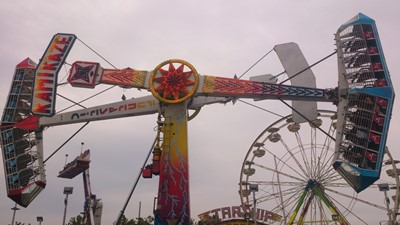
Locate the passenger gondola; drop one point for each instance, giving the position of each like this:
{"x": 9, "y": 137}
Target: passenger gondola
{"x": 365, "y": 108}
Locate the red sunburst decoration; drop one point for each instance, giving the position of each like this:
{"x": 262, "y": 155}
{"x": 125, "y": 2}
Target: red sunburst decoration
{"x": 173, "y": 82}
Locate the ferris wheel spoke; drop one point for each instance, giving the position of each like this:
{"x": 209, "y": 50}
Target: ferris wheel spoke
{"x": 274, "y": 193}
{"x": 281, "y": 188}
{"x": 309, "y": 208}
{"x": 349, "y": 211}
{"x": 313, "y": 153}
{"x": 284, "y": 163}
{"x": 289, "y": 204}
{"x": 333, "y": 179}
{"x": 356, "y": 199}
{"x": 290, "y": 192}
{"x": 327, "y": 172}
{"x": 320, "y": 155}
{"x": 336, "y": 185}
{"x": 303, "y": 154}
{"x": 287, "y": 193}
{"x": 323, "y": 157}
{"x": 330, "y": 176}
{"x": 284, "y": 199}
{"x": 282, "y": 183}
{"x": 293, "y": 202}
{"x": 328, "y": 140}
{"x": 294, "y": 158}
{"x": 318, "y": 206}
{"x": 279, "y": 172}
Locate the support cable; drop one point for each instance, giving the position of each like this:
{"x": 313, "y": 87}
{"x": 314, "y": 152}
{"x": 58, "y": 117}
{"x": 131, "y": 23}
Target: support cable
{"x": 66, "y": 142}
{"x": 309, "y": 67}
{"x": 255, "y": 63}
{"x": 121, "y": 213}
{"x": 87, "y": 98}
{"x": 326, "y": 133}
{"x": 97, "y": 53}
{"x": 75, "y": 103}
{"x": 258, "y": 107}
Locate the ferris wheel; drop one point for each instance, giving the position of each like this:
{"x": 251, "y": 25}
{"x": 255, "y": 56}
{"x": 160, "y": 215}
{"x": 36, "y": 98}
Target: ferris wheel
{"x": 288, "y": 172}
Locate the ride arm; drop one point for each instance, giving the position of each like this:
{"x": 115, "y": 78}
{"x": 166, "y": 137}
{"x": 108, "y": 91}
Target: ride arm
{"x": 173, "y": 84}
{"x": 236, "y": 88}
{"x": 132, "y": 107}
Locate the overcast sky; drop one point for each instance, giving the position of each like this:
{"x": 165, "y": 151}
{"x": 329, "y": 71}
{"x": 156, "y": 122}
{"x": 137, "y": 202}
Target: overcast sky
{"x": 220, "y": 38}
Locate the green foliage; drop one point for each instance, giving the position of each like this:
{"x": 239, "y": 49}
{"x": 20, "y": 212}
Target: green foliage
{"x": 139, "y": 221}
{"x": 149, "y": 220}
{"x": 78, "y": 220}
{"x": 200, "y": 223}
{"x": 19, "y": 223}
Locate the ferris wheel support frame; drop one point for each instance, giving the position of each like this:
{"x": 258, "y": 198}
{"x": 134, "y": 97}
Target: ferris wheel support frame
{"x": 393, "y": 213}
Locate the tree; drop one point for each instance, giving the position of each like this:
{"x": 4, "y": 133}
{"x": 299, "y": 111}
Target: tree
{"x": 139, "y": 221}
{"x": 19, "y": 223}
{"x": 78, "y": 220}
{"x": 147, "y": 221}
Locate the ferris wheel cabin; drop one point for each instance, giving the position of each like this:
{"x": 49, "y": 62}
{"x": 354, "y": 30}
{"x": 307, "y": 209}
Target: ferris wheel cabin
{"x": 365, "y": 105}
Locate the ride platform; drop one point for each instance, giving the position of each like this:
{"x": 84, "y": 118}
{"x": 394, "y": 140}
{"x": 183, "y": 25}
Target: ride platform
{"x": 77, "y": 166}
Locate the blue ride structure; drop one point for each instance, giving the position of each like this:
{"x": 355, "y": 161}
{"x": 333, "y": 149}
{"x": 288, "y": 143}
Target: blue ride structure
{"x": 366, "y": 98}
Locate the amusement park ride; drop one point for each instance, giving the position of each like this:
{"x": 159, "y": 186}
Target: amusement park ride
{"x": 93, "y": 206}
{"x": 364, "y": 99}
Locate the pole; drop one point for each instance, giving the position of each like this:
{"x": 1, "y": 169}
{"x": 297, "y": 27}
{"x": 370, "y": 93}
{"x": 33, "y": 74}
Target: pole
{"x": 15, "y": 208}
{"x": 140, "y": 208}
{"x": 387, "y": 206}
{"x": 65, "y": 208}
{"x": 254, "y": 208}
